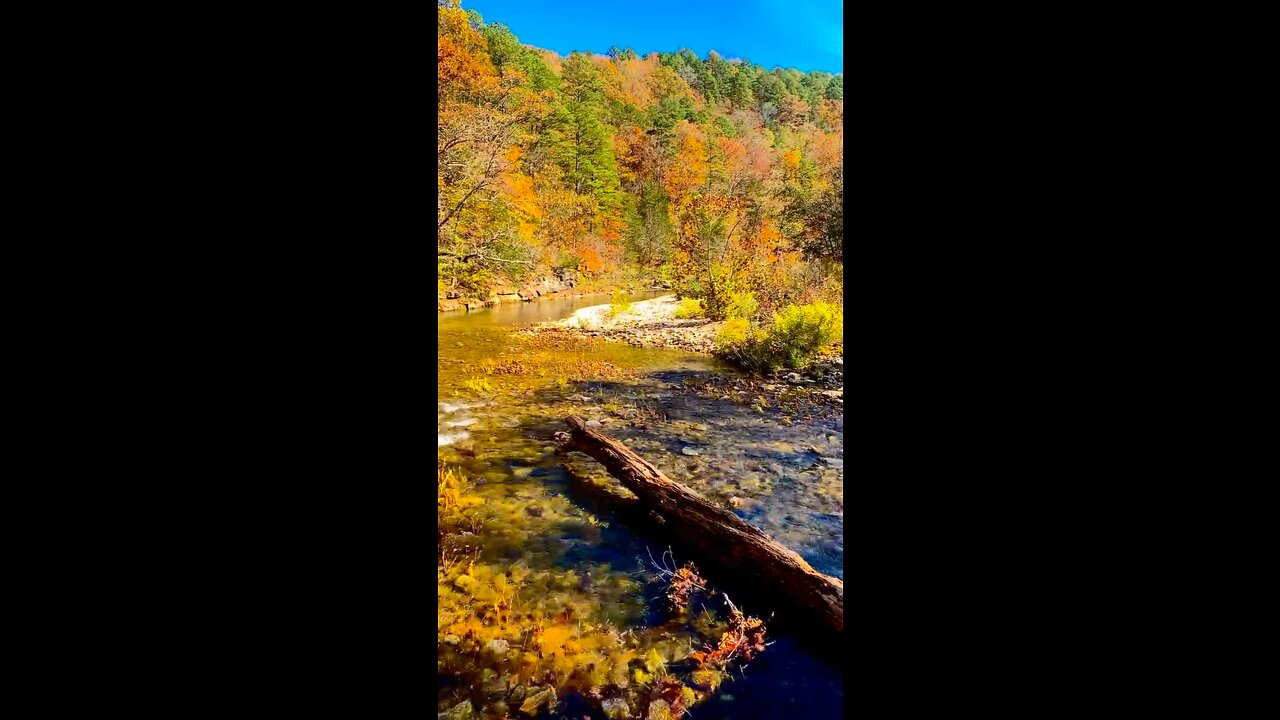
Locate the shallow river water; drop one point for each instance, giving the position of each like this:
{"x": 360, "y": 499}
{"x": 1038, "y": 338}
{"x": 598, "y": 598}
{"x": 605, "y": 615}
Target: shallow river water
{"x": 496, "y": 427}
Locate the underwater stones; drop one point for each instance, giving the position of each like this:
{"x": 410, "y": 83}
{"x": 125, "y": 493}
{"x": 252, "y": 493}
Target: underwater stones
{"x": 616, "y": 708}
{"x": 693, "y": 452}
{"x": 497, "y": 647}
{"x": 834, "y": 462}
{"x": 461, "y": 711}
{"x": 521, "y": 473}
{"x": 452, "y": 639}
{"x": 659, "y": 710}
{"x": 443, "y": 439}
{"x": 594, "y": 424}
{"x": 533, "y": 702}
{"x": 455, "y": 407}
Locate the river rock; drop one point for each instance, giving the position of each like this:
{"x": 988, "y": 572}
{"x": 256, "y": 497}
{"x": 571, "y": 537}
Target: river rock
{"x": 659, "y": 710}
{"x": 461, "y": 711}
{"x": 691, "y": 451}
{"x": 531, "y": 704}
{"x": 616, "y": 709}
{"x": 527, "y": 293}
{"x": 446, "y": 305}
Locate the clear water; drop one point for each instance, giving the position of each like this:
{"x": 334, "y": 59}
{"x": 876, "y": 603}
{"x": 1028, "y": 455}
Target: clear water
{"x": 500, "y": 436}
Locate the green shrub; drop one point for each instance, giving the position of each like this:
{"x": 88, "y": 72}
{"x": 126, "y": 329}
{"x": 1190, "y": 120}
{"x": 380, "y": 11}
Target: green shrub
{"x": 795, "y": 338}
{"x": 733, "y": 333}
{"x": 717, "y": 292}
{"x": 742, "y": 305}
{"x": 688, "y": 308}
{"x": 620, "y": 304}
{"x": 739, "y": 344}
{"x": 800, "y": 331}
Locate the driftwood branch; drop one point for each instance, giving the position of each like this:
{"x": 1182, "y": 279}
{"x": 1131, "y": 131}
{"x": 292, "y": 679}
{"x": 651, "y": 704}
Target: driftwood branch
{"x": 713, "y": 530}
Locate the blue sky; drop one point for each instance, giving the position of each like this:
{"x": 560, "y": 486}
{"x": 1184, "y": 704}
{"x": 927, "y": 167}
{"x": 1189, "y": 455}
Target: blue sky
{"x": 803, "y": 34}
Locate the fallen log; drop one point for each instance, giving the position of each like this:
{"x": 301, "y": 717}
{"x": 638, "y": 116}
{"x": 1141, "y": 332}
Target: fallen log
{"x": 713, "y": 530}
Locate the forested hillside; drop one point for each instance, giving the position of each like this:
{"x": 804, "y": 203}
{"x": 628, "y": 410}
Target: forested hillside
{"x": 712, "y": 175}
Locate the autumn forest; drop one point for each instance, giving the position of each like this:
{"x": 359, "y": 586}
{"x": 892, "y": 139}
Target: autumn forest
{"x": 705, "y": 174}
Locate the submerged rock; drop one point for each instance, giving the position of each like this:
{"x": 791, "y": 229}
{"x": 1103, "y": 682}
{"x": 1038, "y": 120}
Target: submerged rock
{"x": 615, "y": 708}
{"x": 461, "y": 711}
{"x": 659, "y": 710}
{"x": 533, "y": 702}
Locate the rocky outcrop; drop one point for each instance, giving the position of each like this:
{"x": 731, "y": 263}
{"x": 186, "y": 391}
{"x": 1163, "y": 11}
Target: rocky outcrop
{"x": 562, "y": 281}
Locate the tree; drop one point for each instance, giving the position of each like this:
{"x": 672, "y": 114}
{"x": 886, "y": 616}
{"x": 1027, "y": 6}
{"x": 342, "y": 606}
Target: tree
{"x": 506, "y": 51}
{"x": 740, "y": 92}
{"x": 835, "y": 88}
{"x": 589, "y": 165}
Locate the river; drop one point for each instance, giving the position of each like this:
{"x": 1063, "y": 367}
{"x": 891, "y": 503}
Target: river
{"x": 496, "y": 412}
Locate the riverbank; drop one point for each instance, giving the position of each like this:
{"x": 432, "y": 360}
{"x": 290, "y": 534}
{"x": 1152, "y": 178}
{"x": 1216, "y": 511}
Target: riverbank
{"x": 648, "y": 323}
{"x": 565, "y": 284}
{"x": 653, "y": 324}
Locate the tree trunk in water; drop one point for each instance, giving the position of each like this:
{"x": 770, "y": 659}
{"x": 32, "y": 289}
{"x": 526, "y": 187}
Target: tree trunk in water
{"x": 715, "y": 531}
